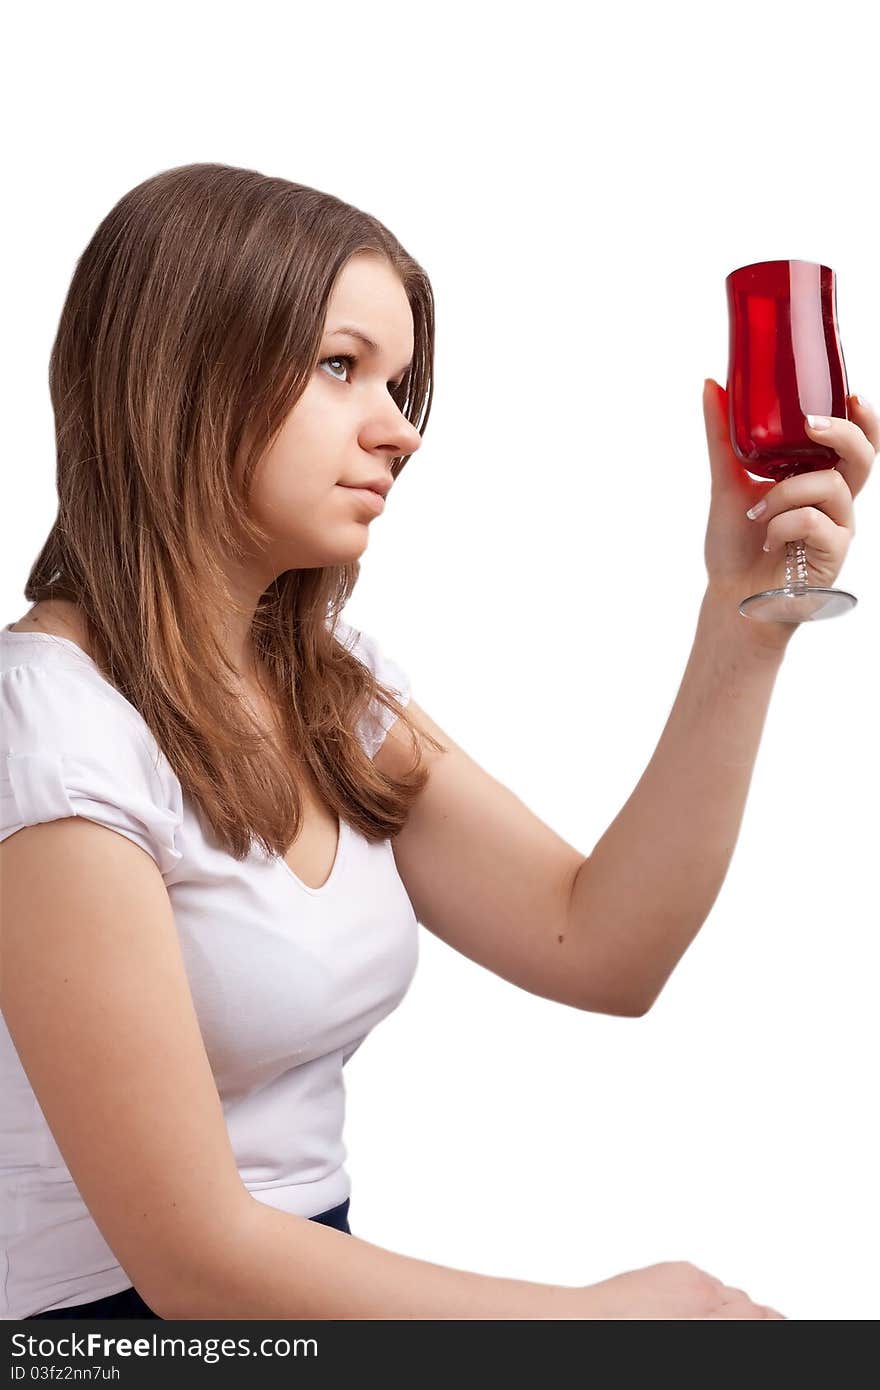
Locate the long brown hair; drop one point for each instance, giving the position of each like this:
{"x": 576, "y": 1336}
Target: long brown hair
{"x": 191, "y": 327}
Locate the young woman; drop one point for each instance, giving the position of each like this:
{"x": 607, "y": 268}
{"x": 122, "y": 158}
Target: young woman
{"x": 224, "y": 814}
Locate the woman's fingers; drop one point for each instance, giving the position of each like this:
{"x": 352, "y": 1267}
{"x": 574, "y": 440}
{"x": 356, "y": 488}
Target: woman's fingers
{"x": 867, "y": 417}
{"x": 813, "y": 527}
{"x": 742, "y": 1312}
{"x": 857, "y": 441}
{"x": 826, "y": 490}
{"x": 735, "y": 1303}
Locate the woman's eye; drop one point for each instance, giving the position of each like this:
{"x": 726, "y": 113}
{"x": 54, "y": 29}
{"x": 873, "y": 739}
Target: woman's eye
{"x": 349, "y": 360}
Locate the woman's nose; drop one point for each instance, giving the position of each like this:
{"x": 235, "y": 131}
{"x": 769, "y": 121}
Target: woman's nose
{"x": 397, "y": 434}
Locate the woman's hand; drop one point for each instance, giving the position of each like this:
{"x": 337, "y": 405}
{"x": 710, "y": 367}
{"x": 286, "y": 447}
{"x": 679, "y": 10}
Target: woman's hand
{"x": 814, "y": 507}
{"x": 673, "y": 1290}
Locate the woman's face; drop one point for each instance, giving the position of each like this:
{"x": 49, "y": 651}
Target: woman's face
{"x": 344, "y": 430}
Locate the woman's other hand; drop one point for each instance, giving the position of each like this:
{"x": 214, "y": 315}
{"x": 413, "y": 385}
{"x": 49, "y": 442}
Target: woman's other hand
{"x": 673, "y": 1290}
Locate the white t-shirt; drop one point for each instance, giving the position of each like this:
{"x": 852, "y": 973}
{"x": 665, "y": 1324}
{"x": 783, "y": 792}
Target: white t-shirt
{"x": 286, "y": 980}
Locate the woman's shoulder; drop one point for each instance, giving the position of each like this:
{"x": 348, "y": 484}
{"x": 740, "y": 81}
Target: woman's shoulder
{"x": 55, "y": 695}
{"x": 72, "y": 745}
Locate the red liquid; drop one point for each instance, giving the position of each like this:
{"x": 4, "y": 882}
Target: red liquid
{"x": 785, "y": 362}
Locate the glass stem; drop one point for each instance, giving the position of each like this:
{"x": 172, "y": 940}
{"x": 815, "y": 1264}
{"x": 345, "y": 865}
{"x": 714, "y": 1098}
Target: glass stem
{"x": 795, "y": 567}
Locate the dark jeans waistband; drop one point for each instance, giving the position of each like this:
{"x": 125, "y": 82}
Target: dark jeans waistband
{"x": 128, "y": 1302}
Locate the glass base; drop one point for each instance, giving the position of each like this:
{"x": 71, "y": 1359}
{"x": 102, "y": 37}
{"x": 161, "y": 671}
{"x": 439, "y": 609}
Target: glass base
{"x": 802, "y": 604}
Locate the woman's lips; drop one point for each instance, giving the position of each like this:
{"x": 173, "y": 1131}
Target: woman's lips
{"x": 372, "y": 499}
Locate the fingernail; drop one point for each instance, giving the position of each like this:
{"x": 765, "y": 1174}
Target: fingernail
{"x": 758, "y": 508}
{"x": 866, "y": 405}
{"x": 818, "y": 422}
{"x": 766, "y": 545}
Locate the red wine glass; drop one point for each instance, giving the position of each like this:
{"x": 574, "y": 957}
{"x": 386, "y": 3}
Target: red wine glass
{"x": 785, "y": 362}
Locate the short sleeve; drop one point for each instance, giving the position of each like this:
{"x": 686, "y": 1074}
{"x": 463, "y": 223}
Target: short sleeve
{"x": 72, "y": 748}
{"x": 378, "y": 720}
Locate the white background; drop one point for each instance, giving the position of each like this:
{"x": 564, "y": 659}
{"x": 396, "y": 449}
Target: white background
{"x": 577, "y": 183}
